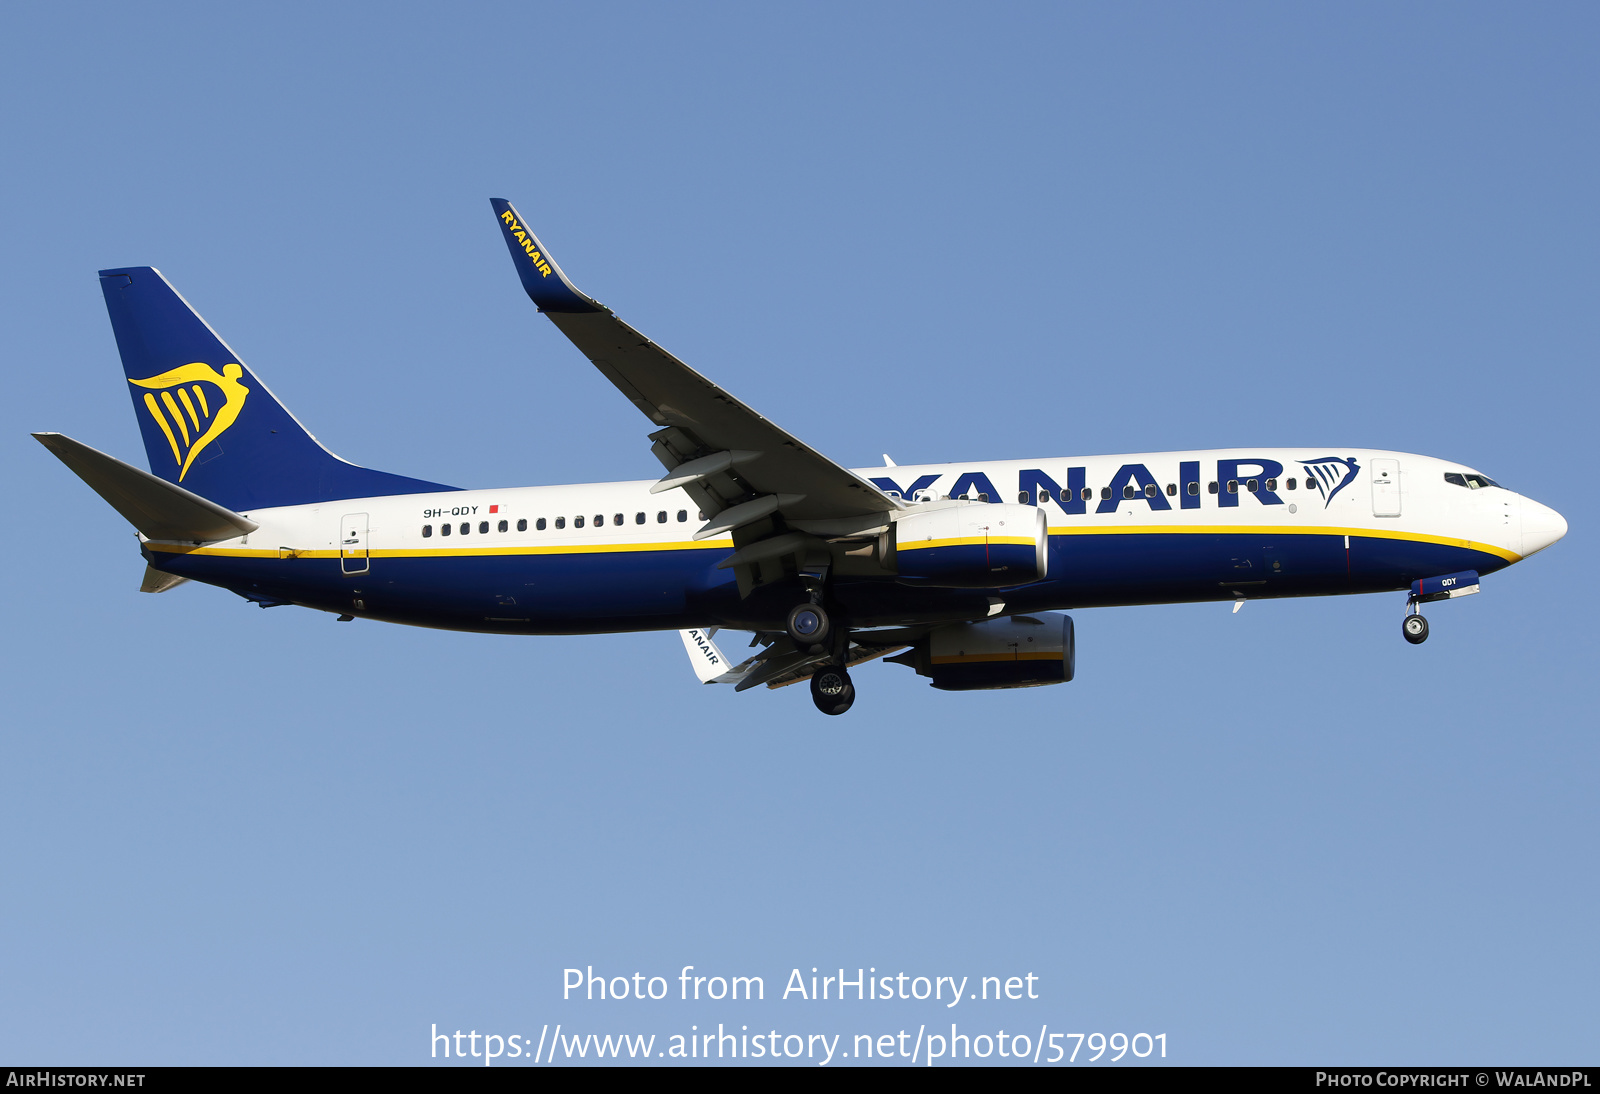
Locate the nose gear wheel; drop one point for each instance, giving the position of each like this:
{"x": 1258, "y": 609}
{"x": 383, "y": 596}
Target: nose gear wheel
{"x": 1415, "y": 628}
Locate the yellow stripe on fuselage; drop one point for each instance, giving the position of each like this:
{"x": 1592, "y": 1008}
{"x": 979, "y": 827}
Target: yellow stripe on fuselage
{"x": 966, "y": 541}
{"x": 727, "y": 544}
{"x": 452, "y": 552}
{"x": 1280, "y": 530}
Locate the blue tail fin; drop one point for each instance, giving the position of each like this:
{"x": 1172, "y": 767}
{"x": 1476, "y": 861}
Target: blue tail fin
{"x": 208, "y": 423}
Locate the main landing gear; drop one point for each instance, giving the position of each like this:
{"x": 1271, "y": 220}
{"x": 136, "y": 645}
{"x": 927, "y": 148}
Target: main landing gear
{"x": 810, "y": 629}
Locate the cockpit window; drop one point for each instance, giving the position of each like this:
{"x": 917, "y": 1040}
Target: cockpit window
{"x": 1471, "y": 482}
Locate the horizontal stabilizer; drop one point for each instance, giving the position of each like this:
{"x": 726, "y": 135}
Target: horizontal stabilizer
{"x": 159, "y": 509}
{"x": 159, "y": 581}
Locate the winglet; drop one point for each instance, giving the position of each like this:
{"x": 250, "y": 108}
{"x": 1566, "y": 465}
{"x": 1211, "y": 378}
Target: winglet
{"x": 542, "y": 279}
{"x": 708, "y": 661}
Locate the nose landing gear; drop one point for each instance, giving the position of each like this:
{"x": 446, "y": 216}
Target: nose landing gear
{"x": 1426, "y": 591}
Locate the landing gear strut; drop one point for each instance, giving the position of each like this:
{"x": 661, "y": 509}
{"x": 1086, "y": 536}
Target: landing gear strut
{"x": 832, "y": 690}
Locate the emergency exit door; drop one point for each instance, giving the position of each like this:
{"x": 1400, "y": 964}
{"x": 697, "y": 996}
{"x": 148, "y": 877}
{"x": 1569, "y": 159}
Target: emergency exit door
{"x": 353, "y": 543}
{"x": 1386, "y": 488}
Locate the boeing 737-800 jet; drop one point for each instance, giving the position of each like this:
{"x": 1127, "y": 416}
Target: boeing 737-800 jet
{"x": 957, "y": 570}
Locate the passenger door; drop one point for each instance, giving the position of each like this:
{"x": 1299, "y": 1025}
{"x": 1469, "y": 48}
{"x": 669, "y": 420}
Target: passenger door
{"x": 1386, "y": 488}
{"x": 353, "y": 543}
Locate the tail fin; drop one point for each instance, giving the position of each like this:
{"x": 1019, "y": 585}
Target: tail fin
{"x": 208, "y": 423}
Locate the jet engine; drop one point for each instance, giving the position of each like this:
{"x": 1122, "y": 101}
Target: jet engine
{"x": 971, "y": 546}
{"x": 1020, "y": 651}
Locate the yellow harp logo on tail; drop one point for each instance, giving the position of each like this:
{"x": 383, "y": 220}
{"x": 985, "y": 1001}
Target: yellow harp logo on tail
{"x": 185, "y": 404}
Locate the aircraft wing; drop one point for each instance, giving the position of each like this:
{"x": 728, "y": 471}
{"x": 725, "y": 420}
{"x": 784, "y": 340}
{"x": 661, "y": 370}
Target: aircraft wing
{"x": 743, "y": 470}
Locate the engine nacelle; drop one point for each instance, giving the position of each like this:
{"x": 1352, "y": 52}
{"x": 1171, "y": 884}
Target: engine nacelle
{"x": 972, "y": 546}
{"x": 1021, "y": 651}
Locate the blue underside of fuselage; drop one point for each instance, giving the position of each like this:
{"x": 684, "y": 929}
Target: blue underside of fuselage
{"x": 671, "y": 590}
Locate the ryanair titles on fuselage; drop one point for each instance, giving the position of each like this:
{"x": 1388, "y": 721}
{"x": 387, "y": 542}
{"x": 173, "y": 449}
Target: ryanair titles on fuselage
{"x": 1259, "y": 477}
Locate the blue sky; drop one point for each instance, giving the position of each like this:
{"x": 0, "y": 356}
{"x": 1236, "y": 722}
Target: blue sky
{"x": 1282, "y": 836}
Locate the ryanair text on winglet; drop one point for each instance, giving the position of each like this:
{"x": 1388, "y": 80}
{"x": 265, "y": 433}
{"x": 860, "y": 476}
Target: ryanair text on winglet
{"x": 527, "y": 242}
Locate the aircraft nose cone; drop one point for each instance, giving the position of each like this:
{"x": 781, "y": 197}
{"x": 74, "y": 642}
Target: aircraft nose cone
{"x": 1541, "y": 526}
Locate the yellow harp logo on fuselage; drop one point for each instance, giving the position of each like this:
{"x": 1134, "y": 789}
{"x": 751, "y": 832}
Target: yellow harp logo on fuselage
{"x": 187, "y": 405}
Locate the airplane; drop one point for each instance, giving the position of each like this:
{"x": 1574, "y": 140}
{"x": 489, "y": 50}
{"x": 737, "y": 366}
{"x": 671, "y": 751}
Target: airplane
{"x": 959, "y": 571}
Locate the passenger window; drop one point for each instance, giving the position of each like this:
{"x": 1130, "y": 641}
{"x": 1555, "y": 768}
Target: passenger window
{"x": 1066, "y": 496}
{"x": 683, "y": 515}
{"x": 638, "y": 518}
{"x": 1233, "y": 486}
{"x": 1212, "y": 486}
{"x": 427, "y": 531}
{"x": 983, "y": 497}
{"x": 522, "y": 525}
{"x": 1172, "y": 489}
{"x": 1105, "y": 493}
{"x": 444, "y": 529}
{"x": 1272, "y": 484}
{"x": 1024, "y": 497}
{"x": 1151, "y": 490}
{"x": 483, "y": 527}
{"x": 465, "y": 527}
{"x": 1288, "y": 484}
{"x": 702, "y": 513}
{"x": 577, "y": 522}
{"x": 661, "y": 517}
{"x": 561, "y": 522}
{"x": 599, "y": 520}
{"x": 1087, "y": 494}
{"x": 1253, "y": 485}
{"x": 617, "y": 520}
{"x": 504, "y": 527}
{"x": 1194, "y": 489}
